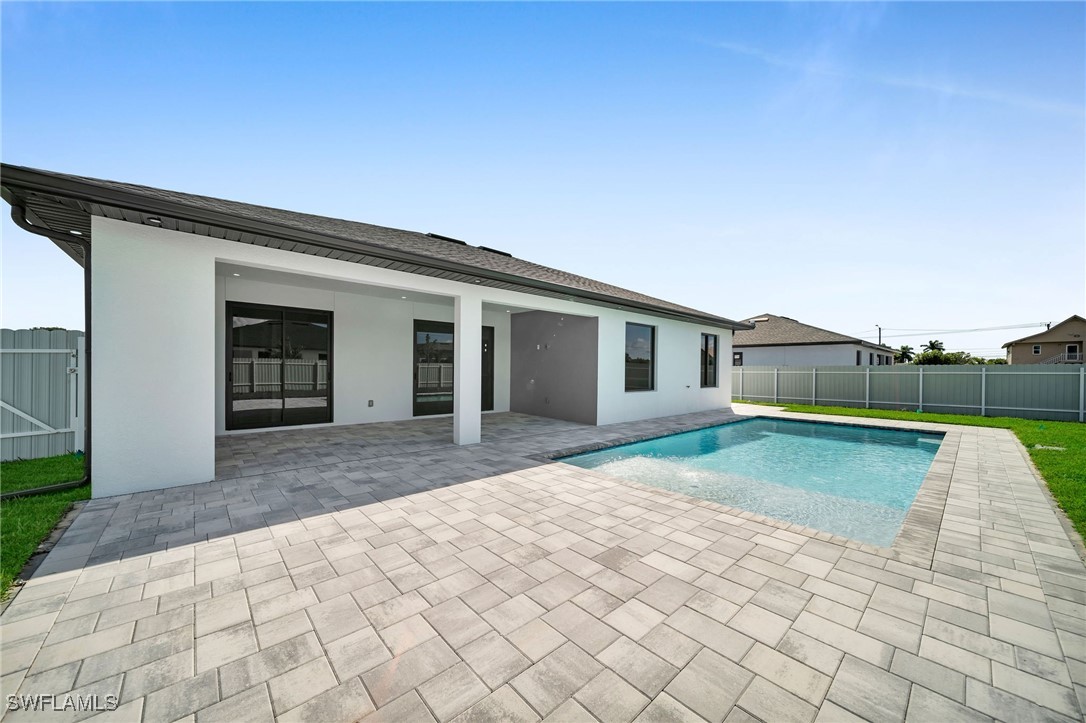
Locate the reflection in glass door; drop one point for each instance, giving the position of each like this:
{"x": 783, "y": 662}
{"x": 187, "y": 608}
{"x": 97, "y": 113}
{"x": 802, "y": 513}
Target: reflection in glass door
{"x": 434, "y": 354}
{"x": 278, "y": 366}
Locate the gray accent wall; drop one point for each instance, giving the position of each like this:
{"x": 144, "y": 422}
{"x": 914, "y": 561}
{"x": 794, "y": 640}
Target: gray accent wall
{"x": 553, "y": 365}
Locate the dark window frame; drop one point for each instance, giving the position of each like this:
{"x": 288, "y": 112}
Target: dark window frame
{"x": 231, "y": 306}
{"x": 706, "y": 368}
{"x": 652, "y": 358}
{"x": 737, "y": 358}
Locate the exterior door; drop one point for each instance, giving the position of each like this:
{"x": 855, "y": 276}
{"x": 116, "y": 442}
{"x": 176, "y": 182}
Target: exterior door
{"x": 433, "y": 368}
{"x": 278, "y": 366}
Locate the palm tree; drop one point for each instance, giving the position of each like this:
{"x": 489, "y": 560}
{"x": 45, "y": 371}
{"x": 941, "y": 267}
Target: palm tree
{"x": 933, "y": 345}
{"x": 904, "y": 354}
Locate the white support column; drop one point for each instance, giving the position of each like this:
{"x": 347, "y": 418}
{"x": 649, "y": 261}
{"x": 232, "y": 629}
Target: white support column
{"x": 468, "y": 370}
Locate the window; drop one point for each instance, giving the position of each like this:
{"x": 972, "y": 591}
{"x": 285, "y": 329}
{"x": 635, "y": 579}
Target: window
{"x": 1037, "y": 349}
{"x": 640, "y": 356}
{"x": 737, "y": 358}
{"x": 708, "y": 360}
{"x": 871, "y": 358}
{"x": 859, "y": 357}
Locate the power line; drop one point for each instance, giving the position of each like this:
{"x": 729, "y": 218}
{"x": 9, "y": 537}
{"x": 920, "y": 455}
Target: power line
{"x": 925, "y": 332}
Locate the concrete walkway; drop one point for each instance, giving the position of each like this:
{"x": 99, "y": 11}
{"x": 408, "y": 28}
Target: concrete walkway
{"x": 379, "y": 573}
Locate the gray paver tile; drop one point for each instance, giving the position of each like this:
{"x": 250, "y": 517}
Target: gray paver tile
{"x": 291, "y": 689}
{"x": 392, "y": 679}
{"x": 611, "y": 699}
{"x": 710, "y": 685}
{"x": 513, "y": 613}
{"x": 791, "y": 675}
{"x": 334, "y": 618}
{"x": 926, "y": 705}
{"x": 766, "y": 701}
{"x": 268, "y": 663}
{"x": 536, "y": 639}
{"x": 645, "y": 670}
{"x": 868, "y": 691}
{"x": 760, "y": 624}
{"x": 671, "y": 645}
{"x": 927, "y": 673}
{"x": 224, "y": 646}
{"x": 709, "y": 632}
{"x": 182, "y": 698}
{"x": 502, "y": 705}
{"x": 494, "y": 659}
{"x": 1043, "y": 692}
{"x": 344, "y": 703}
{"x": 250, "y": 705}
{"x": 1002, "y": 705}
{"x": 634, "y": 619}
{"x": 580, "y": 627}
{"x": 555, "y": 678}
{"x": 408, "y": 708}
{"x": 570, "y": 712}
{"x": 667, "y": 594}
{"x": 452, "y": 692}
{"x": 665, "y": 709}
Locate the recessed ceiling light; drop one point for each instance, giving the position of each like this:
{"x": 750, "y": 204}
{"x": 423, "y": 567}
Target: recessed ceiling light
{"x": 403, "y": 297}
{"x": 237, "y": 274}
{"x": 73, "y": 232}
{"x": 478, "y": 281}
{"x": 507, "y": 311}
{"x": 154, "y": 219}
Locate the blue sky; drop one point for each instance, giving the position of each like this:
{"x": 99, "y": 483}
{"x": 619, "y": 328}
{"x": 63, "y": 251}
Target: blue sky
{"x": 920, "y": 166}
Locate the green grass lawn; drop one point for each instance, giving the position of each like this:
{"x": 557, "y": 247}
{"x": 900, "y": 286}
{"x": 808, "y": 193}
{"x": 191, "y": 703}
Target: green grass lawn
{"x": 1064, "y": 471}
{"x": 26, "y": 521}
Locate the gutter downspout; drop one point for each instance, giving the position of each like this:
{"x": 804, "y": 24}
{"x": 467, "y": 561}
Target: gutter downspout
{"x": 18, "y": 215}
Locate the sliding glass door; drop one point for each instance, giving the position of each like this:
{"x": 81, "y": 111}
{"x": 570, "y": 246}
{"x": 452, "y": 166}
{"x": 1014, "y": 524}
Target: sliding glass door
{"x": 433, "y": 376}
{"x": 278, "y": 366}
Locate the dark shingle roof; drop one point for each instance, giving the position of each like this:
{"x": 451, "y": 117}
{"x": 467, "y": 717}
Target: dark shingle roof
{"x": 352, "y": 235}
{"x": 771, "y": 330}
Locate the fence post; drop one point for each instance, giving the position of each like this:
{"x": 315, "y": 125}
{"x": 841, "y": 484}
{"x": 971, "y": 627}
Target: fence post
{"x": 774, "y": 385}
{"x": 920, "y": 402}
{"x": 1081, "y": 394}
{"x": 983, "y": 389}
{"x": 252, "y": 375}
{"x": 740, "y": 382}
{"x": 814, "y": 385}
{"x": 867, "y": 387}
{"x": 79, "y": 392}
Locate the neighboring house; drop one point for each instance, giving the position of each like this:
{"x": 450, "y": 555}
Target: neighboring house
{"x": 207, "y": 317}
{"x": 780, "y": 341}
{"x": 1058, "y": 344}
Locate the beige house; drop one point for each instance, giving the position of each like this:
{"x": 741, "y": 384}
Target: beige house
{"x": 1059, "y": 344}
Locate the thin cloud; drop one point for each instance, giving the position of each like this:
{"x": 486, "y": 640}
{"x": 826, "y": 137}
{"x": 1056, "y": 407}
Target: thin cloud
{"x": 946, "y": 89}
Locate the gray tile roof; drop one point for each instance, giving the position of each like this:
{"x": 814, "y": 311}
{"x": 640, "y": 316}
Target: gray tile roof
{"x": 772, "y": 330}
{"x": 421, "y": 247}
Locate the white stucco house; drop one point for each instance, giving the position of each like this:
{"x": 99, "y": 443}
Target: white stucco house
{"x": 772, "y": 340}
{"x": 208, "y": 317}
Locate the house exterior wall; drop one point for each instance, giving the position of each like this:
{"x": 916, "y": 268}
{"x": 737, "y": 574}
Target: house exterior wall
{"x": 159, "y": 348}
{"x": 373, "y": 347}
{"x": 678, "y": 364}
{"x": 1052, "y": 342}
{"x": 549, "y": 353}
{"x": 153, "y": 366}
{"x": 807, "y": 355}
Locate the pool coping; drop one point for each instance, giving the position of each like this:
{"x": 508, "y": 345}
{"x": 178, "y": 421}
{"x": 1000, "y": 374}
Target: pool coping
{"x": 914, "y": 543}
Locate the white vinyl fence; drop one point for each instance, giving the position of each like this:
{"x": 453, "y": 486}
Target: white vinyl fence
{"x": 41, "y": 393}
{"x": 1040, "y": 391}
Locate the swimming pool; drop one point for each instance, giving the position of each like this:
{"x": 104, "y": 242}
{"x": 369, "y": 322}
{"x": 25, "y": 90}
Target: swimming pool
{"x": 858, "y": 482}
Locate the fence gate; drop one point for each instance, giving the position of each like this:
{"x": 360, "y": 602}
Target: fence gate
{"x": 41, "y": 393}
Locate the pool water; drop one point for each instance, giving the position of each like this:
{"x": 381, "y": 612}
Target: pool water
{"x": 858, "y": 482}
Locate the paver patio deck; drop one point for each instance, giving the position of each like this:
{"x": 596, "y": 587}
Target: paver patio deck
{"x": 378, "y": 572}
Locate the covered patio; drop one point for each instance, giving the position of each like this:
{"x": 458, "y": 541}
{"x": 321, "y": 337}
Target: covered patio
{"x": 382, "y": 573}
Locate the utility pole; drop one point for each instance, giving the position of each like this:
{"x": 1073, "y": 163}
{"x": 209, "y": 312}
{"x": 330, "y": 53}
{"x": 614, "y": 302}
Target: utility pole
{"x": 880, "y": 333}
